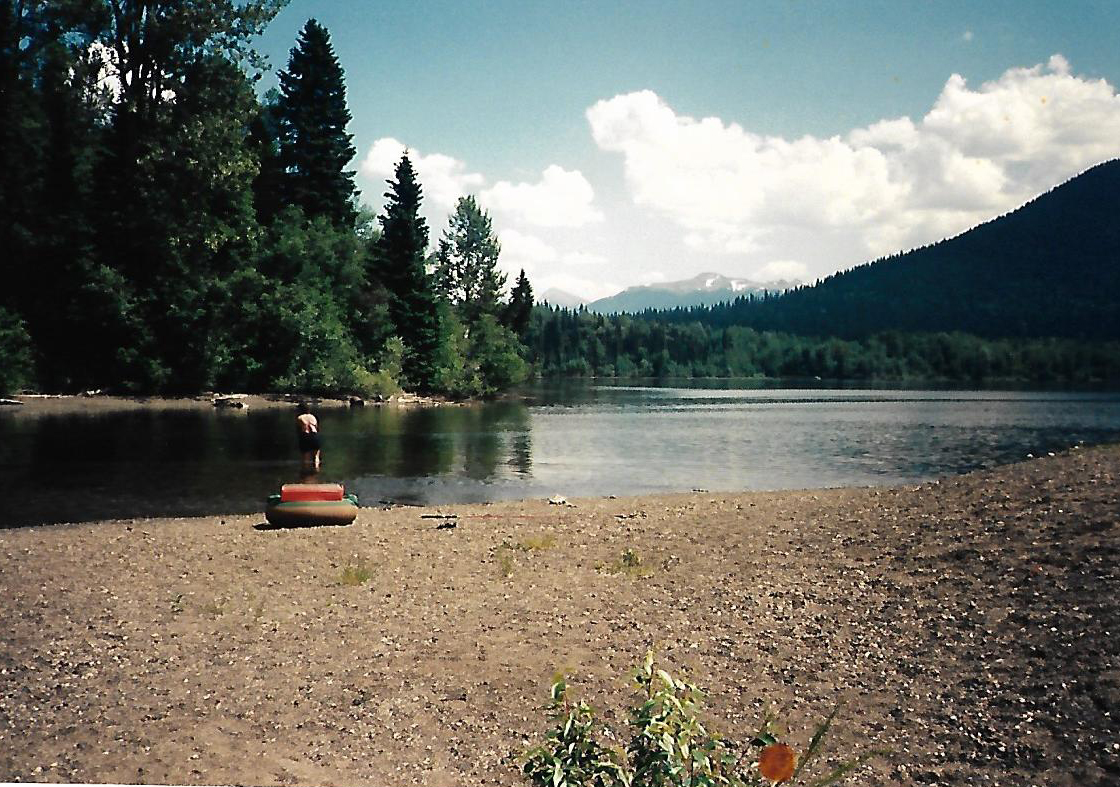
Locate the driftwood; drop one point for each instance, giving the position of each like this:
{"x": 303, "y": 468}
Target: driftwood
{"x": 10, "y": 401}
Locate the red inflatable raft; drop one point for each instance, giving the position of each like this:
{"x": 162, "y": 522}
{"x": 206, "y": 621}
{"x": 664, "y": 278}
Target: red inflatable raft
{"x": 311, "y": 504}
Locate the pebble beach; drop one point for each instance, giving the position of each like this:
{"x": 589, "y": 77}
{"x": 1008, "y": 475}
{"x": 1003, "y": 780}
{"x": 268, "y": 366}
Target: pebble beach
{"x": 969, "y": 625}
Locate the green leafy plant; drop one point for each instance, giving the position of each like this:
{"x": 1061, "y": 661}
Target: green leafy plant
{"x": 504, "y": 556}
{"x": 538, "y": 543}
{"x": 670, "y": 746}
{"x": 629, "y": 563}
{"x": 572, "y": 756}
{"x": 355, "y": 574}
{"x": 506, "y": 550}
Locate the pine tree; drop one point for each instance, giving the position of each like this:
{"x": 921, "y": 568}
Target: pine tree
{"x": 520, "y": 306}
{"x": 467, "y": 262}
{"x": 314, "y": 145}
{"x": 400, "y": 260}
{"x": 264, "y": 140}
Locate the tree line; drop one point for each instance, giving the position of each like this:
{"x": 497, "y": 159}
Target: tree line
{"x": 578, "y": 343}
{"x": 165, "y": 229}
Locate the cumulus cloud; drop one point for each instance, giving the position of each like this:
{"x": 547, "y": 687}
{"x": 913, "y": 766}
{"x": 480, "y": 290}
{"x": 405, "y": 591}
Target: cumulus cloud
{"x": 443, "y": 178}
{"x": 895, "y": 184}
{"x": 582, "y": 259}
{"x": 549, "y": 267}
{"x": 560, "y": 201}
{"x": 781, "y": 270}
{"x": 561, "y": 198}
{"x": 520, "y": 250}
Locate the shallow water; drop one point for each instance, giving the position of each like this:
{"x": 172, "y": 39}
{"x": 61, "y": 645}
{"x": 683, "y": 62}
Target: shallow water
{"x": 574, "y": 440}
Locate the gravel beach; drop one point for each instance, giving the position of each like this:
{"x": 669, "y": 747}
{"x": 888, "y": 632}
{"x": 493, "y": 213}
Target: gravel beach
{"x": 971, "y": 625}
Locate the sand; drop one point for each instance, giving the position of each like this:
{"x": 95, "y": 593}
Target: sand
{"x": 970, "y": 625}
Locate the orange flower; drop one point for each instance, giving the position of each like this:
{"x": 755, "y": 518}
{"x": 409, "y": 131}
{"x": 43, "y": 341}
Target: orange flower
{"x": 776, "y": 762}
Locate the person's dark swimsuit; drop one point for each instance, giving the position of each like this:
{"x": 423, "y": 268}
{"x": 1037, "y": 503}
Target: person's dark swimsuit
{"x": 308, "y": 441}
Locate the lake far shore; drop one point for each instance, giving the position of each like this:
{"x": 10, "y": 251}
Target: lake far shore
{"x": 82, "y": 404}
{"x": 969, "y": 624}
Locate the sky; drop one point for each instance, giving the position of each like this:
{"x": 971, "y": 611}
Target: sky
{"x": 624, "y": 143}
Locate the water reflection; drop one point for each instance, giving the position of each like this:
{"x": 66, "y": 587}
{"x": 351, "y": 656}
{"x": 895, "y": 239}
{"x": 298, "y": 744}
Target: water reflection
{"x": 571, "y": 438}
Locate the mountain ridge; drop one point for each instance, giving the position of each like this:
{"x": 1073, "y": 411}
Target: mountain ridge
{"x": 1048, "y": 268}
{"x": 703, "y": 289}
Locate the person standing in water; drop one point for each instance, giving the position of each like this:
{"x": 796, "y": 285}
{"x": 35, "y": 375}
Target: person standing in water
{"x": 309, "y": 444}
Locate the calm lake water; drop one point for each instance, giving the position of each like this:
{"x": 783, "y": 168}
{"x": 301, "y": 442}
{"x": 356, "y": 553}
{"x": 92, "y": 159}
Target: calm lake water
{"x": 577, "y": 440}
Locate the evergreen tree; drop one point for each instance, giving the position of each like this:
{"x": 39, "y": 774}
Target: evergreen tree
{"x": 467, "y": 272}
{"x": 312, "y": 115}
{"x": 400, "y": 261}
{"x": 264, "y": 140}
{"x": 520, "y": 306}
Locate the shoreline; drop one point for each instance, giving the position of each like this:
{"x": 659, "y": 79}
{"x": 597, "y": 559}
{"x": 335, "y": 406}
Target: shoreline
{"x": 68, "y": 404}
{"x": 967, "y": 624}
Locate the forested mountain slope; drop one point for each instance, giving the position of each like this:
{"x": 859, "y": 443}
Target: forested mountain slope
{"x": 1050, "y": 268}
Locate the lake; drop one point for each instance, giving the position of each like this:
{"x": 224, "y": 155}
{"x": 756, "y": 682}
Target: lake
{"x": 576, "y": 440}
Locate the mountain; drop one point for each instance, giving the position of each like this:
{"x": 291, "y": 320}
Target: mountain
{"x": 554, "y": 296}
{"x": 705, "y": 289}
{"x": 1050, "y": 268}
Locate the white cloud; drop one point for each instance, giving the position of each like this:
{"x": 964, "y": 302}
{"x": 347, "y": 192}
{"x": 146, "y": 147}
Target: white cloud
{"x": 581, "y": 259}
{"x": 520, "y": 250}
{"x": 444, "y": 179}
{"x": 893, "y": 185}
{"x": 549, "y": 267}
{"x": 562, "y": 198}
{"x": 781, "y": 270}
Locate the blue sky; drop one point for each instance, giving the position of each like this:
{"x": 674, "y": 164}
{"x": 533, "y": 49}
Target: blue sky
{"x": 623, "y": 143}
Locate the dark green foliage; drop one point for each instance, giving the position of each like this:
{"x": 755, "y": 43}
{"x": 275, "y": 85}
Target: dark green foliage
{"x": 314, "y": 147}
{"x": 149, "y": 243}
{"x": 481, "y": 356}
{"x": 516, "y": 314}
{"x": 466, "y": 262}
{"x": 562, "y": 342}
{"x": 497, "y": 352}
{"x": 480, "y": 361}
{"x": 16, "y": 366}
{"x": 264, "y": 143}
{"x": 293, "y": 323}
{"x": 400, "y": 265}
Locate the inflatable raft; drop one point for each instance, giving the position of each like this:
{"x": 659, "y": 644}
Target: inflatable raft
{"x": 311, "y": 504}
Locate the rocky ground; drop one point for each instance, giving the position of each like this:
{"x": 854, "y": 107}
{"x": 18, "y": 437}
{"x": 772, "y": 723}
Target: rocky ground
{"x": 969, "y": 625}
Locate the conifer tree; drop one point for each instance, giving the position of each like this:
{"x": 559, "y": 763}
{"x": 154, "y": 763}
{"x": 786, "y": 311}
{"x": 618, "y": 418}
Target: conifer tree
{"x": 264, "y": 141}
{"x": 520, "y": 306}
{"x": 400, "y": 258}
{"x": 467, "y": 262}
{"x": 312, "y": 115}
